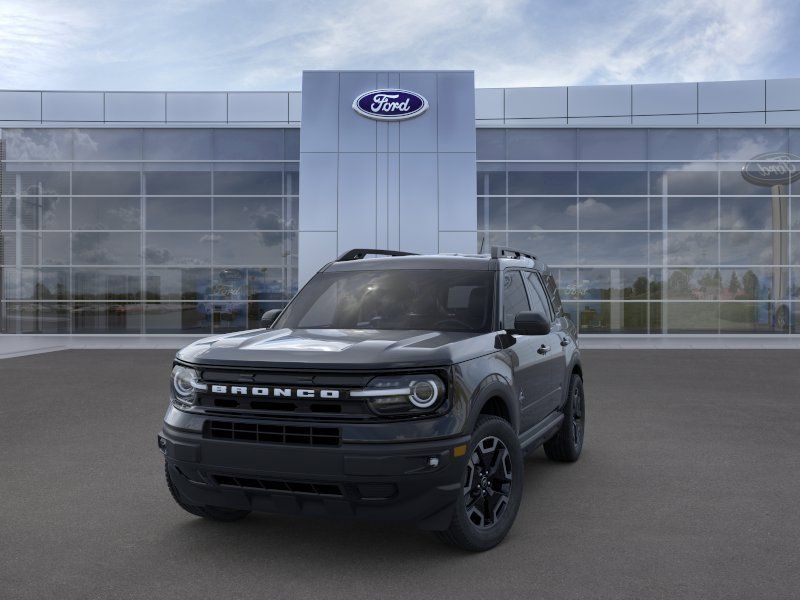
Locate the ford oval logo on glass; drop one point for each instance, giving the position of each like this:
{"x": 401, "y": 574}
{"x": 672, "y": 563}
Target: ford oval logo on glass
{"x": 772, "y": 168}
{"x": 390, "y": 105}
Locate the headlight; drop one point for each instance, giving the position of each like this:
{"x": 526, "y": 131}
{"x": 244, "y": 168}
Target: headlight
{"x": 403, "y": 394}
{"x": 185, "y": 384}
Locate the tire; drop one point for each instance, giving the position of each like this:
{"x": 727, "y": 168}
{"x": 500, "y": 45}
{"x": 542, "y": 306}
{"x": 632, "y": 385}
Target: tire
{"x": 213, "y": 513}
{"x": 567, "y": 443}
{"x": 486, "y": 511}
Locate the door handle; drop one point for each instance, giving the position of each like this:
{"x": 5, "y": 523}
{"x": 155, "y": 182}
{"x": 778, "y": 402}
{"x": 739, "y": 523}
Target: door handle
{"x": 543, "y": 349}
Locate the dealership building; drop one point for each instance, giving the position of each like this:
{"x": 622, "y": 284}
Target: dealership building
{"x": 663, "y": 209}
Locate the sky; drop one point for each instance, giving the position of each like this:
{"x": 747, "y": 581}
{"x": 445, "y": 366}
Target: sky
{"x": 250, "y": 45}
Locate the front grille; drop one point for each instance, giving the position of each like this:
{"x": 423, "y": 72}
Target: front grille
{"x": 274, "y": 434}
{"x": 271, "y": 485}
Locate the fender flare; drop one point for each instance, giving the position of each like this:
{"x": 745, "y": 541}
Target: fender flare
{"x": 493, "y": 386}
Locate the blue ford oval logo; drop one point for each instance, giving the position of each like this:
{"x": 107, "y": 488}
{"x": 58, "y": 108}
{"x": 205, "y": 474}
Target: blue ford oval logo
{"x": 772, "y": 168}
{"x": 390, "y": 105}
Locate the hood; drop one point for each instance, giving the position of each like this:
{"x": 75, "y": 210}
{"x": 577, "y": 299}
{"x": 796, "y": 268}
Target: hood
{"x": 321, "y": 349}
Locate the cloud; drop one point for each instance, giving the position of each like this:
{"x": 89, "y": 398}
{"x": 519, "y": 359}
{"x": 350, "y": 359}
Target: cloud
{"x": 182, "y": 44}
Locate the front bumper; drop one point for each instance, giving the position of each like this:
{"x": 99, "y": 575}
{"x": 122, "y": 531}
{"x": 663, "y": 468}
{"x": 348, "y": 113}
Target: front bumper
{"x": 415, "y": 482}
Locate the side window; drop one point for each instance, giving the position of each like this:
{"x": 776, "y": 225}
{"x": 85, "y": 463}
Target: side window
{"x": 555, "y": 298}
{"x": 539, "y": 301}
{"x": 515, "y": 298}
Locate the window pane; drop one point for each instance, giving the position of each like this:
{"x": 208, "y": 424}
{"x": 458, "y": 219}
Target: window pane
{"x": 249, "y": 181}
{"x": 103, "y": 248}
{"x": 529, "y": 180}
{"x": 249, "y": 213}
{"x": 239, "y": 249}
{"x": 693, "y": 284}
{"x": 491, "y": 144}
{"x": 682, "y": 144}
{"x": 553, "y": 248}
{"x": 248, "y": 144}
{"x": 613, "y": 248}
{"x": 542, "y": 213}
{"x": 692, "y": 213}
{"x": 691, "y": 317}
{"x": 612, "y": 213}
{"x": 542, "y": 144}
{"x": 752, "y": 317}
{"x": 753, "y": 248}
{"x": 106, "y": 284}
{"x": 537, "y": 296}
{"x": 228, "y": 316}
{"x": 177, "y": 144}
{"x": 38, "y": 144}
{"x": 515, "y": 298}
{"x": 755, "y": 283}
{"x": 613, "y": 317}
{"x": 178, "y": 284}
{"x": 613, "y": 284}
{"x": 613, "y": 182}
{"x": 491, "y": 179}
{"x": 36, "y": 284}
{"x": 35, "y": 182}
{"x": 692, "y": 248}
{"x": 491, "y": 213}
{"x": 612, "y": 144}
{"x": 108, "y": 144}
{"x": 178, "y": 183}
{"x": 251, "y": 284}
{"x": 106, "y": 213}
{"x": 45, "y": 212}
{"x": 696, "y": 180}
{"x": 107, "y": 317}
{"x": 34, "y": 317}
{"x": 184, "y": 317}
{"x": 178, "y": 248}
{"x": 291, "y": 144}
{"x": 178, "y": 213}
{"x": 118, "y": 183}
{"x": 45, "y": 248}
{"x": 754, "y": 213}
{"x": 733, "y": 182}
{"x": 747, "y": 143}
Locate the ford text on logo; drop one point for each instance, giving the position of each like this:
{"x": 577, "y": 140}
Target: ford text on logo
{"x": 772, "y": 168}
{"x": 390, "y": 105}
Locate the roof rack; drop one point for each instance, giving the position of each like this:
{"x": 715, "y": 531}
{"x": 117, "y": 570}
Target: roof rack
{"x": 503, "y": 251}
{"x": 359, "y": 253}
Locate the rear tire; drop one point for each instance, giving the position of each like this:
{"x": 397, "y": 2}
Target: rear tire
{"x": 214, "y": 513}
{"x": 492, "y": 488}
{"x": 567, "y": 443}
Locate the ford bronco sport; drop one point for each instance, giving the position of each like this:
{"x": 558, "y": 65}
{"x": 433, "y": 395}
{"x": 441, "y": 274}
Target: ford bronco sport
{"x": 401, "y": 387}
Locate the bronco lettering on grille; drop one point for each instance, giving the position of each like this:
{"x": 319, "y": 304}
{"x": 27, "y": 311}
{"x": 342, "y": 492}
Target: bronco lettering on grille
{"x": 275, "y": 392}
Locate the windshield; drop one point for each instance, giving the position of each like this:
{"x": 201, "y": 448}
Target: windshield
{"x": 436, "y": 300}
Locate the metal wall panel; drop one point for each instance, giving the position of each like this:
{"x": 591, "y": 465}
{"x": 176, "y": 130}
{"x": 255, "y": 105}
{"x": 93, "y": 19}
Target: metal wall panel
{"x": 318, "y": 184}
{"x": 320, "y": 130}
{"x": 599, "y": 101}
{"x": 783, "y": 94}
{"x": 536, "y": 103}
{"x": 731, "y": 96}
{"x": 581, "y": 121}
{"x": 457, "y": 192}
{"x": 455, "y": 107}
{"x": 356, "y": 200}
{"x": 197, "y": 107}
{"x": 72, "y": 106}
{"x": 786, "y": 118}
{"x": 319, "y": 248}
{"x": 733, "y": 119}
{"x": 258, "y": 107}
{"x": 20, "y": 106}
{"x": 419, "y": 134}
{"x": 489, "y": 103}
{"x": 136, "y": 107}
{"x": 295, "y": 102}
{"x": 458, "y": 241}
{"x": 356, "y": 134}
{"x": 418, "y": 202}
{"x": 657, "y": 120}
{"x": 664, "y": 98}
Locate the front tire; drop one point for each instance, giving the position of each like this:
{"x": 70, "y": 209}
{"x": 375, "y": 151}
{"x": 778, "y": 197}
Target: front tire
{"x": 213, "y": 513}
{"x": 492, "y": 488}
{"x": 567, "y": 443}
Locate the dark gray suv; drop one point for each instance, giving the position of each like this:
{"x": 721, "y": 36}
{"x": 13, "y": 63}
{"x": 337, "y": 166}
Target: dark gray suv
{"x": 401, "y": 387}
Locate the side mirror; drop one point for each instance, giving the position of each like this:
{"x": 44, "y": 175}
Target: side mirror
{"x": 531, "y": 323}
{"x": 268, "y": 318}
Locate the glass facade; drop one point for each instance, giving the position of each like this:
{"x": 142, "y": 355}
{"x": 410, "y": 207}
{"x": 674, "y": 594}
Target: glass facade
{"x": 146, "y": 230}
{"x": 650, "y": 231}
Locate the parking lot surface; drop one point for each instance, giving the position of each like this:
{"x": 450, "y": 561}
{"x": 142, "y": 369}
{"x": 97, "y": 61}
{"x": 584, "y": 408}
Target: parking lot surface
{"x": 688, "y": 488}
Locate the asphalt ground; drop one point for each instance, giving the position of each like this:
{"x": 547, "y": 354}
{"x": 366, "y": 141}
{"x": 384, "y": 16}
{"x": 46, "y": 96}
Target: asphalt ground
{"x": 687, "y": 488}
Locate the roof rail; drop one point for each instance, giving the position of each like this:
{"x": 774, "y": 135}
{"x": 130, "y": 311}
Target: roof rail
{"x": 359, "y": 253}
{"x": 503, "y": 251}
